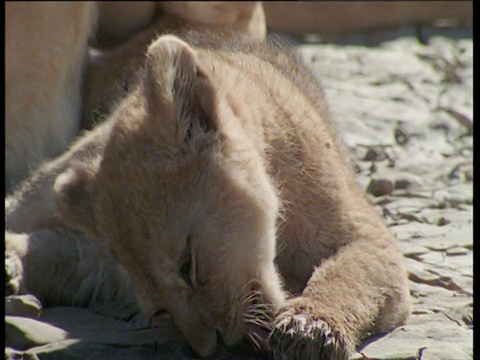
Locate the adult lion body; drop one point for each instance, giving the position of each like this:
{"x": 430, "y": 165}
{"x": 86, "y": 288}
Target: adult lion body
{"x": 47, "y": 60}
{"x": 218, "y": 183}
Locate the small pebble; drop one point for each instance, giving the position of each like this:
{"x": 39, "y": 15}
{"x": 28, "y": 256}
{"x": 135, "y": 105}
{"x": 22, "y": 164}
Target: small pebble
{"x": 401, "y": 136}
{"x": 442, "y": 221}
{"x": 375, "y": 153}
{"x": 380, "y": 187}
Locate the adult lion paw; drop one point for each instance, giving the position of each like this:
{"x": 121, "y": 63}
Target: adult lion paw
{"x": 300, "y": 333}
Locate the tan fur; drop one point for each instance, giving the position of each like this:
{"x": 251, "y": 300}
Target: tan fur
{"x": 111, "y": 72}
{"x": 335, "y": 19}
{"x": 224, "y": 155}
{"x": 246, "y": 17}
{"x": 44, "y": 63}
{"x": 121, "y": 19}
{"x": 46, "y": 55}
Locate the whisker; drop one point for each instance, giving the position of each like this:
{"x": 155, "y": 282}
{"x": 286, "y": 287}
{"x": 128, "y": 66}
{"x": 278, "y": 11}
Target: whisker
{"x": 250, "y": 282}
{"x": 264, "y": 320}
{"x": 259, "y": 312}
{"x": 262, "y": 307}
{"x": 263, "y": 325}
{"x": 255, "y": 342}
{"x": 251, "y": 296}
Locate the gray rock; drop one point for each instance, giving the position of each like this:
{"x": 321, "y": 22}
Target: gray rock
{"x": 23, "y": 333}
{"x": 23, "y": 305}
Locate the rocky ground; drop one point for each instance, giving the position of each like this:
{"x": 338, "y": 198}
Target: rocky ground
{"x": 404, "y": 105}
{"x": 403, "y": 102}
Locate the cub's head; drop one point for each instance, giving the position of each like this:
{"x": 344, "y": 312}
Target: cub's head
{"x": 183, "y": 201}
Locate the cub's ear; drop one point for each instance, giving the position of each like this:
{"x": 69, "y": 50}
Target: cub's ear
{"x": 73, "y": 198}
{"x": 180, "y": 93}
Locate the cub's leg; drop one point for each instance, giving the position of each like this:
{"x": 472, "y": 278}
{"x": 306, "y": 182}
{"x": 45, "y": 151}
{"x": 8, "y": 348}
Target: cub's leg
{"x": 31, "y": 207}
{"x": 63, "y": 267}
{"x": 58, "y": 265}
{"x": 360, "y": 290}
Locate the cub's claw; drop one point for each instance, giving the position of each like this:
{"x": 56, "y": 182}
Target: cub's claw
{"x": 304, "y": 336}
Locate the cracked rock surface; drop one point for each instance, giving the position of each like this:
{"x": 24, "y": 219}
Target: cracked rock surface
{"x": 405, "y": 109}
{"x": 403, "y": 103}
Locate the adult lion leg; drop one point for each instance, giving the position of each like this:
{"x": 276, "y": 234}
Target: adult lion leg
{"x": 45, "y": 57}
{"x": 246, "y": 17}
{"x": 360, "y": 290}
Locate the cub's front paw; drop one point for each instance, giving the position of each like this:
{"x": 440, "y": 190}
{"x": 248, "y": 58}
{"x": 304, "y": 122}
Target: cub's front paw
{"x": 14, "y": 247}
{"x": 300, "y": 332}
{"x": 13, "y": 274}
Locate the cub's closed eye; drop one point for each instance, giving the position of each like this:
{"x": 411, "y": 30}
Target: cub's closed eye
{"x": 186, "y": 263}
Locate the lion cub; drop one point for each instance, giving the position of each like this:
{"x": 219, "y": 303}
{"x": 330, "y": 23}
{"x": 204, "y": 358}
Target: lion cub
{"x": 220, "y": 186}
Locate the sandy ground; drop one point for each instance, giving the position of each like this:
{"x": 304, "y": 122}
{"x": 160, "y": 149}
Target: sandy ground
{"x": 403, "y": 102}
